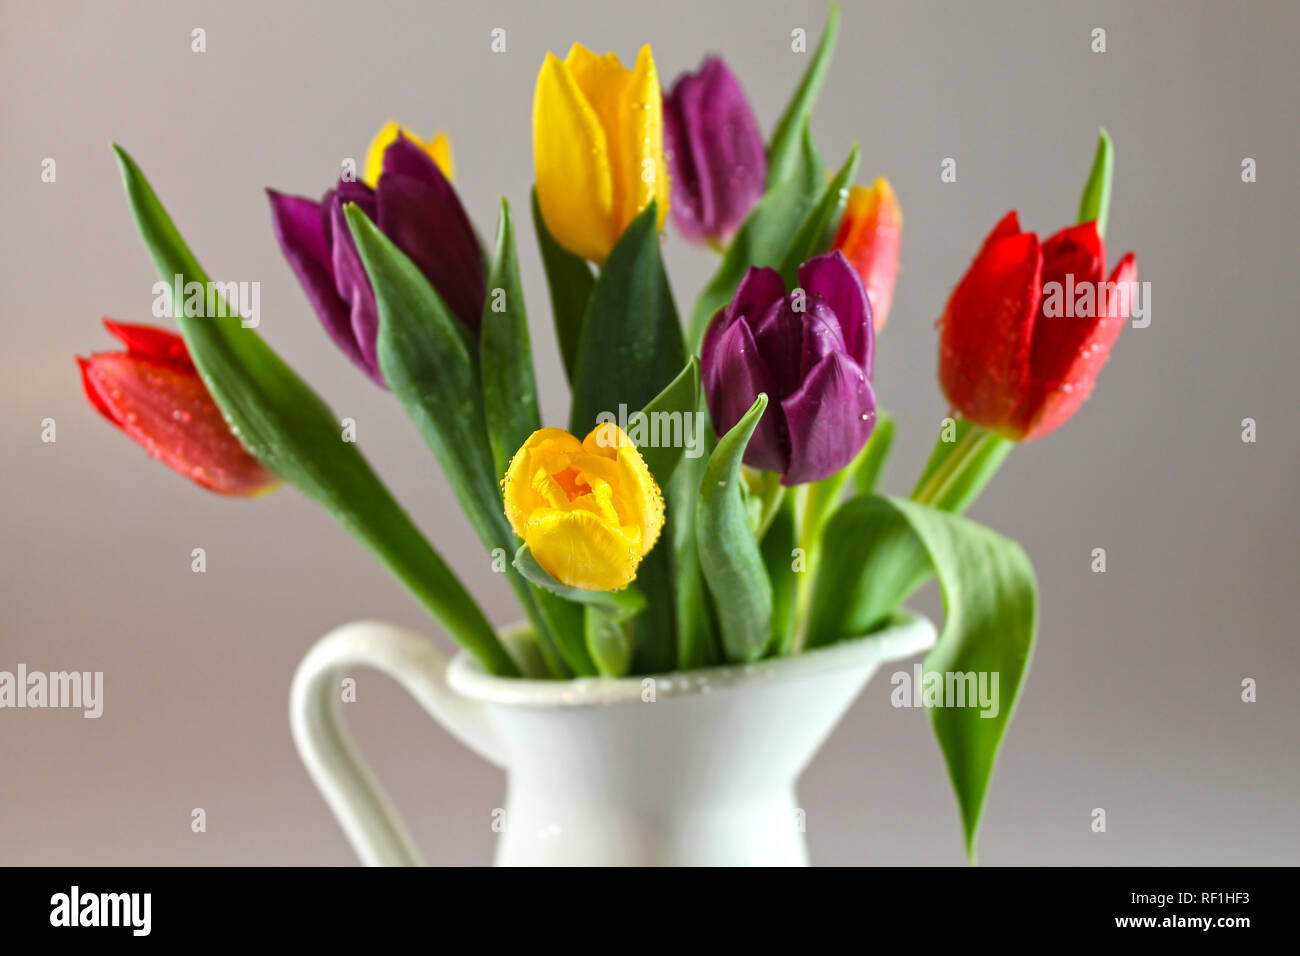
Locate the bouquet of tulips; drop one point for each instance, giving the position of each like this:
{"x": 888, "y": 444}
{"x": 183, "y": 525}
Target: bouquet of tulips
{"x": 713, "y": 499}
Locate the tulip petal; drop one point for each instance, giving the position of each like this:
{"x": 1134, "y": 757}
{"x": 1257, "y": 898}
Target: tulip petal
{"x": 829, "y": 418}
{"x": 353, "y": 287}
{"x": 548, "y": 450}
{"x": 419, "y": 211}
{"x": 438, "y": 149}
{"x": 757, "y": 291}
{"x": 733, "y": 374}
{"x": 1073, "y": 260}
{"x": 1065, "y": 372}
{"x": 641, "y": 127}
{"x": 92, "y": 391}
{"x": 582, "y": 550}
{"x": 302, "y": 229}
{"x": 629, "y": 108}
{"x": 151, "y": 342}
{"x": 386, "y": 136}
{"x": 571, "y": 156}
{"x": 832, "y": 279}
{"x": 166, "y": 408}
{"x": 691, "y": 188}
{"x": 988, "y": 325}
{"x": 870, "y": 236}
{"x": 716, "y": 157}
{"x": 640, "y": 501}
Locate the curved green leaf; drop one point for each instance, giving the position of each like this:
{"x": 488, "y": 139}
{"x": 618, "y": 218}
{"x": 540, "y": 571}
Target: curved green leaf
{"x": 697, "y": 637}
{"x": 729, "y": 553}
{"x": 990, "y": 619}
{"x": 505, "y": 353}
{"x": 783, "y": 150}
{"x": 286, "y": 426}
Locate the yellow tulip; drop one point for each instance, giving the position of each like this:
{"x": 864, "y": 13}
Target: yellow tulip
{"x": 589, "y": 511}
{"x": 438, "y": 148}
{"x": 598, "y": 147}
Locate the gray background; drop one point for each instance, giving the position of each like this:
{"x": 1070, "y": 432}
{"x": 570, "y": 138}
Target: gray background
{"x": 1133, "y": 701}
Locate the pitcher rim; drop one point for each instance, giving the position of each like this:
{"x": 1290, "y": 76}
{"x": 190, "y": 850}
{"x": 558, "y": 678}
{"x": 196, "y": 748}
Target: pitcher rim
{"x": 910, "y": 634}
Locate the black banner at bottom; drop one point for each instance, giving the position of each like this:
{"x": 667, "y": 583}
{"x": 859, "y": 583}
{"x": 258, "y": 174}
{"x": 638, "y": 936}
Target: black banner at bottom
{"x": 210, "y": 905}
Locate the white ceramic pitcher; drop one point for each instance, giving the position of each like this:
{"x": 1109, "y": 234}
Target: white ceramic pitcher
{"x": 693, "y": 768}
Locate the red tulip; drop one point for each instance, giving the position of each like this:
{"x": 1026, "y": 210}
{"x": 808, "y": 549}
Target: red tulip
{"x": 869, "y": 235}
{"x": 153, "y": 393}
{"x": 1017, "y": 356}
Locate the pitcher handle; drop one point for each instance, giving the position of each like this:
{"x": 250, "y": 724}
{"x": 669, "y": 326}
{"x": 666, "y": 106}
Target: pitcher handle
{"x": 359, "y": 803}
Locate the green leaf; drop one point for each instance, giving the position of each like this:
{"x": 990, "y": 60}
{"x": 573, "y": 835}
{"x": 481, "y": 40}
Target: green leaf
{"x": 873, "y": 564}
{"x": 817, "y": 230}
{"x": 958, "y": 470}
{"x": 622, "y": 604}
{"x": 990, "y": 618}
{"x": 569, "y": 279}
{"x": 1095, "y": 202}
{"x": 631, "y": 344}
{"x": 729, "y": 553}
{"x": 697, "y": 637}
{"x": 763, "y": 238}
{"x": 654, "y": 632}
{"x": 783, "y": 149}
{"x": 505, "y": 354}
{"x": 777, "y": 549}
{"x": 678, "y": 401}
{"x": 285, "y": 425}
{"x": 428, "y": 360}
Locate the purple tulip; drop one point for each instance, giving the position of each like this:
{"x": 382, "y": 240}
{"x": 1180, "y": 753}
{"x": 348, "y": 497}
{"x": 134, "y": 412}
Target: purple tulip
{"x": 810, "y": 351}
{"x": 715, "y": 153}
{"x": 416, "y": 207}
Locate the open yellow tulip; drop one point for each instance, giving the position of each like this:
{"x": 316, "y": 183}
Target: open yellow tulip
{"x": 438, "y": 148}
{"x": 598, "y": 147}
{"x": 589, "y": 511}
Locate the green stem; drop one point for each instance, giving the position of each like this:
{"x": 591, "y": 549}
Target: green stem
{"x": 952, "y": 466}
{"x": 806, "y": 538}
{"x": 963, "y": 471}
